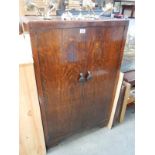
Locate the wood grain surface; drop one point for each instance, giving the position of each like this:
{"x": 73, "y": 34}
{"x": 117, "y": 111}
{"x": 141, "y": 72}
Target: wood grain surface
{"x": 76, "y": 66}
{"x": 31, "y": 131}
{"x": 115, "y": 102}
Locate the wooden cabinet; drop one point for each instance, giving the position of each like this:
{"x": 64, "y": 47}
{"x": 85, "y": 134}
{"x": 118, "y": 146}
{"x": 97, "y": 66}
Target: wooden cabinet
{"x": 76, "y": 67}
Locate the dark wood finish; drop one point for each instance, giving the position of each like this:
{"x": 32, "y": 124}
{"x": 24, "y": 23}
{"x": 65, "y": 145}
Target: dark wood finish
{"x": 124, "y": 1}
{"x": 129, "y": 7}
{"x": 99, "y": 63}
{"x": 71, "y": 102}
{"x": 130, "y": 77}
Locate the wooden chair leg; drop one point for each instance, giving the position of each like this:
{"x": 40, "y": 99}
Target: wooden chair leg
{"x": 123, "y": 11}
{"x": 125, "y": 101}
{"x": 132, "y": 13}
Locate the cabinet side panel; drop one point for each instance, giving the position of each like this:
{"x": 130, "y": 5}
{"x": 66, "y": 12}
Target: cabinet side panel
{"x": 34, "y": 46}
{"x": 124, "y": 34}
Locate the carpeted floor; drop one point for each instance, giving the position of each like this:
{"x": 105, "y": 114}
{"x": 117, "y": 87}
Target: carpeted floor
{"x": 101, "y": 141}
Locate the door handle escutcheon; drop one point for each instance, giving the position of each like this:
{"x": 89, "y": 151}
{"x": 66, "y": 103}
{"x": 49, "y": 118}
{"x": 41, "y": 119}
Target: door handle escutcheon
{"x": 82, "y": 78}
{"x": 89, "y": 76}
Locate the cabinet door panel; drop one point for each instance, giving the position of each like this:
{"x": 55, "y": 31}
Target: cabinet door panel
{"x": 103, "y": 47}
{"x": 61, "y": 58}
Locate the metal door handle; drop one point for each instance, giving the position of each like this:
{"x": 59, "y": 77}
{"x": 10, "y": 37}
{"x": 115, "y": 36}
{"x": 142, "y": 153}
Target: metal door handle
{"x": 89, "y": 76}
{"x": 82, "y": 78}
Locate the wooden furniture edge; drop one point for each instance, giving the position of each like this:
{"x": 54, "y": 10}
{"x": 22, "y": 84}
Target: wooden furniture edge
{"x": 125, "y": 101}
{"x": 31, "y": 143}
{"x": 119, "y": 83}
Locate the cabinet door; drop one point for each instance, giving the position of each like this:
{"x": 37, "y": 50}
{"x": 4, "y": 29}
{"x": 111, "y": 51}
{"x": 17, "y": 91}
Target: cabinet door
{"x": 61, "y": 58}
{"x": 103, "y": 60}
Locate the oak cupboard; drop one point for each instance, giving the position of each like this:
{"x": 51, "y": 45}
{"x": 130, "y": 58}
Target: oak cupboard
{"x": 77, "y": 64}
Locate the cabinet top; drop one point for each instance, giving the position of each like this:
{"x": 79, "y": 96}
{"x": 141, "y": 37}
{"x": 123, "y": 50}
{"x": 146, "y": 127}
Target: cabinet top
{"x": 35, "y": 23}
